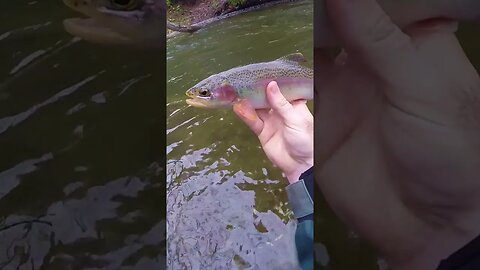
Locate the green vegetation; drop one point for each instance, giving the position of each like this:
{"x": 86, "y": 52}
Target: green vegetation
{"x": 173, "y": 3}
{"x": 176, "y": 14}
{"x": 237, "y": 3}
{"x": 186, "y": 12}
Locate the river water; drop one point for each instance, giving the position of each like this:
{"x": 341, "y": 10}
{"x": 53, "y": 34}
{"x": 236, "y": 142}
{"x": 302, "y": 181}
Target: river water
{"x": 82, "y": 147}
{"x": 226, "y": 205}
{"x": 82, "y": 166}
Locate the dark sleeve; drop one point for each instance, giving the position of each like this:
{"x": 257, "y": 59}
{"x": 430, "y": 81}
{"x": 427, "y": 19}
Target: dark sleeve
{"x": 300, "y": 196}
{"x": 466, "y": 258}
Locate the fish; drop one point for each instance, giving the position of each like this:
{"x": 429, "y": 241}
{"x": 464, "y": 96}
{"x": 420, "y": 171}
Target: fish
{"x": 249, "y": 83}
{"x": 131, "y": 23}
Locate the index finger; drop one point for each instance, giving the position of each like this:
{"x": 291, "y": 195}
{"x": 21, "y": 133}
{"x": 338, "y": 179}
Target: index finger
{"x": 249, "y": 116}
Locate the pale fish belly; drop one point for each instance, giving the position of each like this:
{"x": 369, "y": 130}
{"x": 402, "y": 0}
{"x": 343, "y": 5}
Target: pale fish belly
{"x": 291, "y": 88}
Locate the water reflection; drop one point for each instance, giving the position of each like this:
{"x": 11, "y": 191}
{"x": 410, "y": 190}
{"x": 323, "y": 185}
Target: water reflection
{"x": 226, "y": 203}
{"x": 81, "y": 166}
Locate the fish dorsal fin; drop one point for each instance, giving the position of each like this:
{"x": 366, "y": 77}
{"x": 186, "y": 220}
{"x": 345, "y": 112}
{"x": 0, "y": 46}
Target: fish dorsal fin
{"x": 294, "y": 57}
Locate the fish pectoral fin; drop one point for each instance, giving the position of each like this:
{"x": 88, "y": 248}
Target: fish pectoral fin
{"x": 294, "y": 57}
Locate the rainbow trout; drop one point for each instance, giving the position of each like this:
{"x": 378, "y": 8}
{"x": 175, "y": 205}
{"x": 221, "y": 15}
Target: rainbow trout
{"x": 250, "y": 82}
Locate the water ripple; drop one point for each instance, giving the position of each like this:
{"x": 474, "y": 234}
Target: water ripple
{"x": 11, "y": 121}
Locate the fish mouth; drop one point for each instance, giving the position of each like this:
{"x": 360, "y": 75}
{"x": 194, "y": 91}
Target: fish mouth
{"x": 198, "y": 103}
{"x": 207, "y": 103}
{"x": 89, "y": 28}
{"x": 189, "y": 93}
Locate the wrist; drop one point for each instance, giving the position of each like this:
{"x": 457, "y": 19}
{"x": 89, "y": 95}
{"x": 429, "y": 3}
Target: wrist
{"x": 294, "y": 176}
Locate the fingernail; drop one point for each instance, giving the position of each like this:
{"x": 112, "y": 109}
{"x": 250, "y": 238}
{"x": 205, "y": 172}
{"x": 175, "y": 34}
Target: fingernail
{"x": 273, "y": 87}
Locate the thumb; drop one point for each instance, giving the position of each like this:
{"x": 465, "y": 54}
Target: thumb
{"x": 368, "y": 34}
{"x": 278, "y": 102}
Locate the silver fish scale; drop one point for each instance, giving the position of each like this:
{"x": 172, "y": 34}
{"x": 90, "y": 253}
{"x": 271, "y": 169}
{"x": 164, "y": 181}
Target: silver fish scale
{"x": 247, "y": 75}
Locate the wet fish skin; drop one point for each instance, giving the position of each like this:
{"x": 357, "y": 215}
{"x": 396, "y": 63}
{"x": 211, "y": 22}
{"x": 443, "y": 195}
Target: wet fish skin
{"x": 249, "y": 82}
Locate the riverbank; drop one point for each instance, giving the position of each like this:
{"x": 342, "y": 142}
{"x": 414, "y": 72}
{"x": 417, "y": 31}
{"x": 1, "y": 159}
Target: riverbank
{"x": 191, "y": 12}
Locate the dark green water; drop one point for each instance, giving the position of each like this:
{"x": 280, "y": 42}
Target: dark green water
{"x": 227, "y": 208}
{"x": 82, "y": 147}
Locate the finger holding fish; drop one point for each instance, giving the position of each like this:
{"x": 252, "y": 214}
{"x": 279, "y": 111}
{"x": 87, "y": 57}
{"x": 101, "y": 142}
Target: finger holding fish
{"x": 249, "y": 116}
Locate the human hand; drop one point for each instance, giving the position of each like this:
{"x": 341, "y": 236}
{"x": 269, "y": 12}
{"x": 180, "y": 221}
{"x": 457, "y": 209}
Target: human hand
{"x": 398, "y": 123}
{"x": 285, "y": 132}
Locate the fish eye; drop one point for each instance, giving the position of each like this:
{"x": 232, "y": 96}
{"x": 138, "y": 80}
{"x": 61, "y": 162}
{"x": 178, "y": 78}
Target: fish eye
{"x": 125, "y": 4}
{"x": 204, "y": 93}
